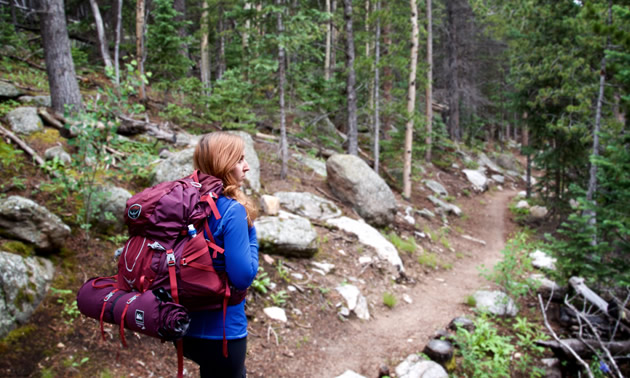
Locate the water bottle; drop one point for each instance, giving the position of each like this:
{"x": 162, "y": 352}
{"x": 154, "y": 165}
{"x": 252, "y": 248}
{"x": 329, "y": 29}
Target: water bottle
{"x": 191, "y": 231}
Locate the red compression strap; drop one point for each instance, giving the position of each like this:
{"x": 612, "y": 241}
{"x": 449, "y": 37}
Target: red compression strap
{"x": 195, "y": 175}
{"x": 180, "y": 358}
{"x": 94, "y": 285}
{"x": 107, "y": 297}
{"x": 170, "y": 260}
{"x": 211, "y": 243}
{"x": 122, "y": 320}
{"x": 225, "y": 304}
{"x": 213, "y": 206}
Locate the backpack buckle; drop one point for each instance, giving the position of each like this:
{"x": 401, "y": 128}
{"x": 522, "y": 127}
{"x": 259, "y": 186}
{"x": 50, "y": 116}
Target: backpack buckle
{"x": 183, "y": 261}
{"x": 170, "y": 258}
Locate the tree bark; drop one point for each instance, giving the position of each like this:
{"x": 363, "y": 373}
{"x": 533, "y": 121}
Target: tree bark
{"x": 140, "y": 43}
{"x": 284, "y": 151}
{"x": 221, "y": 61}
{"x": 429, "y": 91}
{"x": 117, "y": 42}
{"x": 333, "y": 39}
{"x": 453, "y": 78}
{"x": 328, "y": 42}
{"x": 388, "y": 83}
{"x": 351, "y": 81}
{"x": 411, "y": 100}
{"x": 64, "y": 89}
{"x": 205, "y": 54}
{"x": 100, "y": 32}
{"x": 377, "y": 121}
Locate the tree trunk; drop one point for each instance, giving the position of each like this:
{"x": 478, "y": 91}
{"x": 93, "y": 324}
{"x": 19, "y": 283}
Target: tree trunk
{"x": 100, "y": 32}
{"x": 140, "y": 43}
{"x": 411, "y": 100}
{"x": 388, "y": 83}
{"x": 351, "y": 81}
{"x": 429, "y": 92}
{"x": 117, "y": 42}
{"x": 180, "y": 8}
{"x": 205, "y": 54}
{"x": 333, "y": 39}
{"x": 328, "y": 42}
{"x": 221, "y": 61}
{"x": 377, "y": 121}
{"x": 64, "y": 89}
{"x": 284, "y": 151}
{"x": 453, "y": 78}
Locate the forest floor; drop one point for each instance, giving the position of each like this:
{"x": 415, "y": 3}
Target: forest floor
{"x": 316, "y": 341}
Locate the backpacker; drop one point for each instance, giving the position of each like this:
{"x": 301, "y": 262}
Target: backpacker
{"x": 167, "y": 250}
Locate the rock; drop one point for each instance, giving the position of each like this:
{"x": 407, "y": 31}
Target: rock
{"x": 522, "y": 204}
{"x": 317, "y": 165}
{"x": 276, "y": 313}
{"x": 287, "y": 234}
{"x": 462, "y": 322}
{"x": 186, "y": 140}
{"x": 446, "y": 207}
{"x": 436, "y": 187}
{"x": 552, "y": 368}
{"x": 537, "y": 213}
{"x": 178, "y": 165}
{"x": 508, "y": 162}
{"x": 350, "y": 374}
{"x": 425, "y": 213}
{"x": 23, "y": 285}
{"x": 355, "y": 301}
{"x": 478, "y": 241}
{"x": 270, "y": 205}
{"x": 59, "y": 153}
{"x": 541, "y": 260}
{"x": 495, "y": 302}
{"x": 324, "y": 266}
{"x": 37, "y": 100}
{"x": 521, "y": 194}
{"x": 407, "y": 298}
{"x": 25, "y": 120}
{"x": 370, "y": 236}
{"x": 439, "y": 351}
{"x": 308, "y": 205}
{"x": 354, "y": 182}
{"x": 415, "y": 367}
{"x": 546, "y": 287}
{"x": 114, "y": 202}
{"x": 8, "y": 90}
{"x": 498, "y": 178}
{"x": 253, "y": 176}
{"x": 485, "y": 161}
{"x": 364, "y": 260}
{"x": 23, "y": 219}
{"x": 409, "y": 218}
{"x": 477, "y": 179}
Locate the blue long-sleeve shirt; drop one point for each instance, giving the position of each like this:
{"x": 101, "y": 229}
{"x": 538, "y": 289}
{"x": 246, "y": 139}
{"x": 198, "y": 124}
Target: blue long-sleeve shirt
{"x": 240, "y": 261}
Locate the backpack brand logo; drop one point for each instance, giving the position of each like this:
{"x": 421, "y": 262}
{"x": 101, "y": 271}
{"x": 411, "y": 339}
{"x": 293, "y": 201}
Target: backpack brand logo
{"x": 134, "y": 211}
{"x": 140, "y": 318}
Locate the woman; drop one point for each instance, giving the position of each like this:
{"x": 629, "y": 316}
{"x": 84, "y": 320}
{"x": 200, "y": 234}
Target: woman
{"x": 222, "y": 155}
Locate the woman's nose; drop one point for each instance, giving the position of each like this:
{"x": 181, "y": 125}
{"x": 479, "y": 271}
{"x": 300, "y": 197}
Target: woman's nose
{"x": 245, "y": 166}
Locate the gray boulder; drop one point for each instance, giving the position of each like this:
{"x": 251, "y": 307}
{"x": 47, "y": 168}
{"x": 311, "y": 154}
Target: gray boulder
{"x": 416, "y": 367}
{"x": 477, "y": 179}
{"x": 59, "y": 153}
{"x": 25, "y": 120}
{"x": 355, "y": 301}
{"x": 354, "y": 182}
{"x": 436, "y": 187}
{"x": 37, "y": 100}
{"x": 114, "y": 202}
{"x": 176, "y": 166}
{"x": 495, "y": 302}
{"x": 445, "y": 207}
{"x": 308, "y": 205}
{"x": 485, "y": 161}
{"x": 23, "y": 219}
{"x": 8, "y": 90}
{"x": 509, "y": 162}
{"x": 286, "y": 234}
{"x": 440, "y": 351}
{"x": 23, "y": 284}
{"x": 318, "y": 166}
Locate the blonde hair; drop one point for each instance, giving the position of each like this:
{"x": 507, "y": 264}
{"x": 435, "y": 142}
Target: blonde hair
{"x": 217, "y": 154}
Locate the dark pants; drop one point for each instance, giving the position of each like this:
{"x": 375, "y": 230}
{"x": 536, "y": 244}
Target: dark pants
{"x": 209, "y": 355}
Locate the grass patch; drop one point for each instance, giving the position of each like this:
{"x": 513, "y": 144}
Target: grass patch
{"x": 389, "y": 300}
{"x": 407, "y": 244}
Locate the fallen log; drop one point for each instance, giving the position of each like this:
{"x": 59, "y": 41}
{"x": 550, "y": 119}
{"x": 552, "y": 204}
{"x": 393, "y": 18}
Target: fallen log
{"x": 582, "y": 348}
{"x": 130, "y": 126}
{"x": 580, "y": 287}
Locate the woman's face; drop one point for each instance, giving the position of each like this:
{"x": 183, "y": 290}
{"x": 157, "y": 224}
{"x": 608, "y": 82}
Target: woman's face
{"x": 239, "y": 170}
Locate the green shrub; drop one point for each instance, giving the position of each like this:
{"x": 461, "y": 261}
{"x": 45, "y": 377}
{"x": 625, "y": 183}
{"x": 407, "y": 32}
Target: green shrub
{"x": 389, "y": 300}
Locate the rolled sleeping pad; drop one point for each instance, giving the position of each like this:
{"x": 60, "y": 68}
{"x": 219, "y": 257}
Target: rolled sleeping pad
{"x": 152, "y": 313}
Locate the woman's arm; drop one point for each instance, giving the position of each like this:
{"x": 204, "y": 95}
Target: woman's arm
{"x": 241, "y": 248}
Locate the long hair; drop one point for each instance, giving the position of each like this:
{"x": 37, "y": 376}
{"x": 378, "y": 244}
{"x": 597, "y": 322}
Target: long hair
{"x": 217, "y": 154}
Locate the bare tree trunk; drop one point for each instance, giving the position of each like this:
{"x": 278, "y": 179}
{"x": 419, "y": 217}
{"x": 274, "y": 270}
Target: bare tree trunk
{"x": 180, "y": 8}
{"x": 377, "y": 121}
{"x": 64, "y": 89}
{"x": 388, "y": 76}
{"x": 205, "y": 55}
{"x": 429, "y": 92}
{"x": 592, "y": 181}
{"x": 333, "y": 39}
{"x": 284, "y": 151}
{"x": 351, "y": 81}
{"x": 328, "y": 42}
{"x": 411, "y": 100}
{"x": 453, "y": 78}
{"x": 117, "y": 42}
{"x": 221, "y": 61}
{"x": 100, "y": 32}
{"x": 140, "y": 43}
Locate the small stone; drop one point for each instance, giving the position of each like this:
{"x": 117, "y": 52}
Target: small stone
{"x": 276, "y": 313}
{"x": 365, "y": 260}
{"x": 407, "y": 298}
{"x": 268, "y": 259}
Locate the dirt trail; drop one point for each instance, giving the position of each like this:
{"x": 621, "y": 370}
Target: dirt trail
{"x": 437, "y": 299}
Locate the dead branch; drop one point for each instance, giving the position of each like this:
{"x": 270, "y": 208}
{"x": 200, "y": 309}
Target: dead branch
{"x": 580, "y": 287}
{"x": 130, "y": 126}
{"x": 562, "y": 344}
{"x": 596, "y": 334}
{"x": 55, "y": 120}
{"x": 622, "y": 314}
{"x": 25, "y": 147}
{"x": 578, "y": 346}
